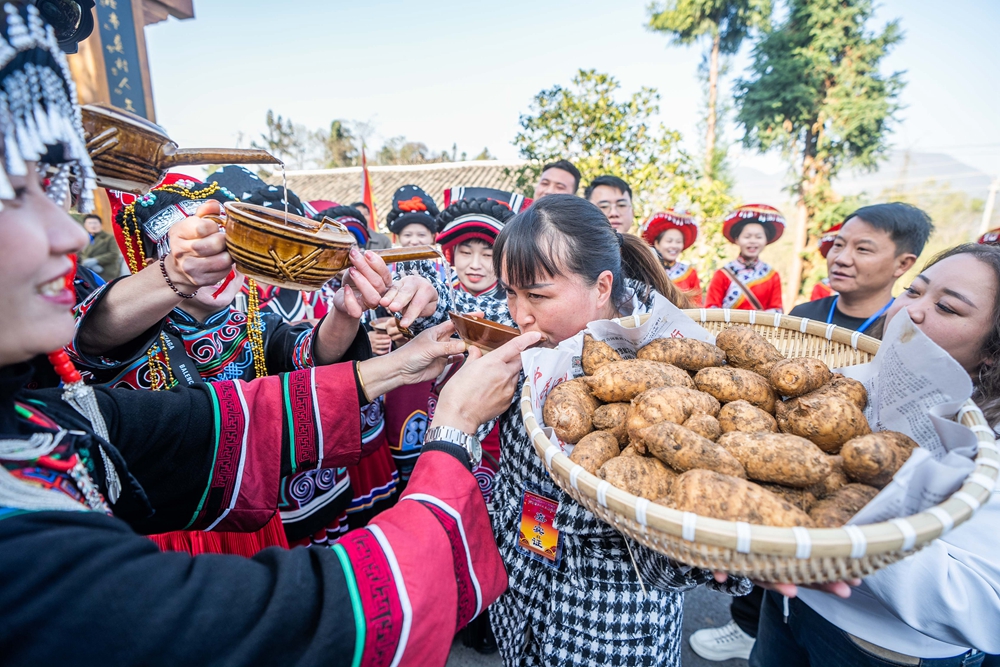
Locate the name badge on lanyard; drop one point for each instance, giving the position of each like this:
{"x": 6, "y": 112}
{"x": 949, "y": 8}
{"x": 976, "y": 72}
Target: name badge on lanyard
{"x": 537, "y": 537}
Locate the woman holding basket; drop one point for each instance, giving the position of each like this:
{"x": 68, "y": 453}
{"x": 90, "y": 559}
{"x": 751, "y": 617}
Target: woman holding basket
{"x": 940, "y": 606}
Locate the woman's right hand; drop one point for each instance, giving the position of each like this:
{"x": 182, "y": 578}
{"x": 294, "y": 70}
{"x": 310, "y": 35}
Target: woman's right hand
{"x": 198, "y": 255}
{"x": 484, "y": 386}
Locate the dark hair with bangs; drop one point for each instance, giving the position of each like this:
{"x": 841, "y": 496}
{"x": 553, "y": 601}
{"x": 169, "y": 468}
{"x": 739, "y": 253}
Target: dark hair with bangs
{"x": 987, "y": 381}
{"x": 570, "y": 232}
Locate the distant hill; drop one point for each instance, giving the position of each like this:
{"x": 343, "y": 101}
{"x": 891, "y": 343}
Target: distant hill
{"x": 903, "y": 170}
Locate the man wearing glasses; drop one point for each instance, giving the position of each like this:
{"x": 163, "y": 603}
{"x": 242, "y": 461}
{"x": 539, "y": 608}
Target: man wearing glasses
{"x": 614, "y": 197}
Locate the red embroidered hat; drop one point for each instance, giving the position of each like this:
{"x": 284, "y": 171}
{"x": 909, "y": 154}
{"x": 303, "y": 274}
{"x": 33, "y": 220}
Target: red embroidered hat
{"x": 475, "y": 217}
{"x": 826, "y": 241}
{"x": 991, "y": 237}
{"x": 767, "y": 216}
{"x": 670, "y": 219}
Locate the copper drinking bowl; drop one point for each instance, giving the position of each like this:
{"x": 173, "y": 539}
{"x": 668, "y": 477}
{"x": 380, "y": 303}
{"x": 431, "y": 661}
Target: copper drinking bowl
{"x": 290, "y": 252}
{"x": 482, "y": 333}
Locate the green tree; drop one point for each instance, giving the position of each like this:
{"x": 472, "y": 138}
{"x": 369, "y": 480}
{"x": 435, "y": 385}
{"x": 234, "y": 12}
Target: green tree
{"x": 398, "y": 150}
{"x": 284, "y": 140}
{"x": 725, "y": 24}
{"x": 586, "y": 124}
{"x": 815, "y": 92}
{"x": 339, "y": 147}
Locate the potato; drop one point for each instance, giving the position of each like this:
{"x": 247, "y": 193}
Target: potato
{"x": 596, "y": 353}
{"x": 836, "y": 510}
{"x": 686, "y": 353}
{"x": 611, "y": 418}
{"x": 734, "y": 384}
{"x": 704, "y": 425}
{"x": 801, "y": 498}
{"x": 777, "y": 457}
{"x": 741, "y": 416}
{"x": 668, "y": 404}
{"x": 836, "y": 479}
{"x": 795, "y": 377}
{"x": 630, "y": 450}
{"x": 828, "y": 421}
{"x": 594, "y": 450}
{"x": 873, "y": 459}
{"x": 747, "y": 349}
{"x": 620, "y": 381}
{"x": 685, "y": 450}
{"x": 569, "y": 410}
{"x": 728, "y": 498}
{"x": 844, "y": 387}
{"x": 639, "y": 475}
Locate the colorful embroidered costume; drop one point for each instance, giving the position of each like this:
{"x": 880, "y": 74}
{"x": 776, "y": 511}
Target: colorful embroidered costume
{"x": 589, "y": 607}
{"x": 681, "y": 273}
{"x": 756, "y": 276}
{"x": 759, "y": 277}
{"x": 211, "y": 456}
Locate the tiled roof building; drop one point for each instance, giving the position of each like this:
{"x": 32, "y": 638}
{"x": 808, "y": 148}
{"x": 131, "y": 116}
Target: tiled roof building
{"x": 344, "y": 185}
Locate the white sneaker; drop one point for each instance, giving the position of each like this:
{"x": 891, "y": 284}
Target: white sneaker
{"x": 723, "y": 643}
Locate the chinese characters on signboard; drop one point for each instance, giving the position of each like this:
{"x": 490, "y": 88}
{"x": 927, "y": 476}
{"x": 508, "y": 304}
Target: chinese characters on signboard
{"x": 121, "y": 55}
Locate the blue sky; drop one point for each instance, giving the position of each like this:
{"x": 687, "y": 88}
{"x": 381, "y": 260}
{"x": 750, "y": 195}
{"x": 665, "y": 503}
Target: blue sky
{"x": 460, "y": 72}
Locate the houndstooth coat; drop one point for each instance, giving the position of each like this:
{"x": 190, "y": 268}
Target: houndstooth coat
{"x": 590, "y": 610}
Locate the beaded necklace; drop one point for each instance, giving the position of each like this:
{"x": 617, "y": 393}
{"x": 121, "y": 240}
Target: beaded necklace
{"x": 160, "y": 373}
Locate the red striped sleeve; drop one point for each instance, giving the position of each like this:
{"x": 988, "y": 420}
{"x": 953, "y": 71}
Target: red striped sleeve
{"x": 310, "y": 418}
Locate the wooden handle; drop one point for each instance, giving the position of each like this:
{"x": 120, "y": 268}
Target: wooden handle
{"x": 390, "y": 255}
{"x": 216, "y": 156}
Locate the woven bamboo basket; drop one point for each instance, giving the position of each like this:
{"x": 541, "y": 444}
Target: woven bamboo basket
{"x": 766, "y": 553}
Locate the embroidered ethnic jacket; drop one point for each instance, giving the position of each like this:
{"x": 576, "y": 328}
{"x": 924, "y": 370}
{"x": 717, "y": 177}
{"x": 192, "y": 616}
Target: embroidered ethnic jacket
{"x": 686, "y": 278}
{"x": 760, "y": 278}
{"x": 81, "y": 584}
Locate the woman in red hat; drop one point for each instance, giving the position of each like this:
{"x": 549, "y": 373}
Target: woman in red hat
{"x": 671, "y": 233}
{"x": 991, "y": 237}
{"x": 746, "y": 283}
{"x": 821, "y": 290}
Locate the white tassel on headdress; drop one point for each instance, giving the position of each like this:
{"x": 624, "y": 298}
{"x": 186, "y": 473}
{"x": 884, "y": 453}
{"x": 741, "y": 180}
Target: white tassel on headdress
{"x": 38, "y": 110}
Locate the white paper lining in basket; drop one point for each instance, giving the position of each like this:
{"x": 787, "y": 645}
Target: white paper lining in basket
{"x": 914, "y": 387}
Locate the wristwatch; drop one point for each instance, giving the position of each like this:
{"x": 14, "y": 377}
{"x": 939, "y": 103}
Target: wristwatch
{"x": 469, "y": 443}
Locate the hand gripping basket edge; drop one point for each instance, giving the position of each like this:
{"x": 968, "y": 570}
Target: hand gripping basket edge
{"x": 767, "y": 553}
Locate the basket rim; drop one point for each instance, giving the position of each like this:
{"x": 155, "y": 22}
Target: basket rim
{"x": 854, "y": 542}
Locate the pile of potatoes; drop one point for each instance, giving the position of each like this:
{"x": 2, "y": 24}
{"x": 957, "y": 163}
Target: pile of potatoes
{"x": 733, "y": 430}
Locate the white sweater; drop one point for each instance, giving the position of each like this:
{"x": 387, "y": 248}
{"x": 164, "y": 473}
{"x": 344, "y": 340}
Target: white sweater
{"x": 938, "y": 603}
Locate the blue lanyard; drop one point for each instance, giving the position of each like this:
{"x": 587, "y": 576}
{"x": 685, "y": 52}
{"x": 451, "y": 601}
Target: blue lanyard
{"x": 868, "y": 322}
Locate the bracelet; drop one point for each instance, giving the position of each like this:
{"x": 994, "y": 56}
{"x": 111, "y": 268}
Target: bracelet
{"x": 357, "y": 374}
{"x": 170, "y": 283}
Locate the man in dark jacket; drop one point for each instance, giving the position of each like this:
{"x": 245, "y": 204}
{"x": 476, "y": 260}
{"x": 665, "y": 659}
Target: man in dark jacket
{"x": 102, "y": 255}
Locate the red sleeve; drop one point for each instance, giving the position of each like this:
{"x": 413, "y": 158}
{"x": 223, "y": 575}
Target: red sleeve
{"x": 717, "y": 290}
{"x": 697, "y": 299}
{"x": 423, "y": 569}
{"x": 773, "y": 301}
{"x": 272, "y": 427}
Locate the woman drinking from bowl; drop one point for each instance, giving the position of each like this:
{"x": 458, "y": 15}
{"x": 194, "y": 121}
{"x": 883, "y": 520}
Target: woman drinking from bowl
{"x": 940, "y": 606}
{"x": 563, "y": 266}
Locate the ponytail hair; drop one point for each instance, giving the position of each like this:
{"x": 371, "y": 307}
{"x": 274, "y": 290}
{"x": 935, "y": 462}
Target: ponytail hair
{"x": 564, "y": 233}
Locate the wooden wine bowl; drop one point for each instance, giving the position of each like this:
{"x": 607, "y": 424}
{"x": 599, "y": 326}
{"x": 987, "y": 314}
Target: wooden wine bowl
{"x": 132, "y": 154}
{"x": 482, "y": 333}
{"x": 294, "y": 252}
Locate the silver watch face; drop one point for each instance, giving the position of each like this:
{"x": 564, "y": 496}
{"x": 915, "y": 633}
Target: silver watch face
{"x": 469, "y": 443}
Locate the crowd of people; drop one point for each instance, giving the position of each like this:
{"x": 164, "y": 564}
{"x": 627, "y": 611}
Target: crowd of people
{"x": 199, "y": 469}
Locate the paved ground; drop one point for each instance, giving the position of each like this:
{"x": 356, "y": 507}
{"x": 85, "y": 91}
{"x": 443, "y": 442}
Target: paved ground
{"x": 702, "y": 609}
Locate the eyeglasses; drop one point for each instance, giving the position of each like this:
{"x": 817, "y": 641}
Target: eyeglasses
{"x": 620, "y": 205}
